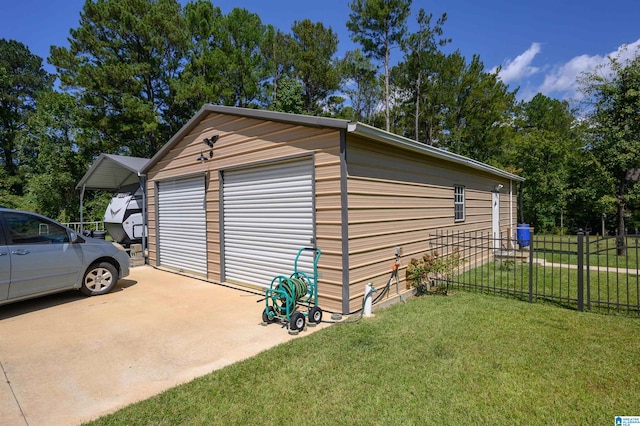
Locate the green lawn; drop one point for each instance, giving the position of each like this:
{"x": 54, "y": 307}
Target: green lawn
{"x": 557, "y": 284}
{"x": 602, "y": 252}
{"x": 468, "y": 358}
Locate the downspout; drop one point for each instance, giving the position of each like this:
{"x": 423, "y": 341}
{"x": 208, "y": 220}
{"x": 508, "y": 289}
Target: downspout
{"x": 520, "y": 202}
{"x": 344, "y": 221}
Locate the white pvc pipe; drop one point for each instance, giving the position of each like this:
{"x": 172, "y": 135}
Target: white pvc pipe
{"x": 368, "y": 292}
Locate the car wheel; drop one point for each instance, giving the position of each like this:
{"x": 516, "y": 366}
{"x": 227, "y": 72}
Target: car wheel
{"x": 100, "y": 278}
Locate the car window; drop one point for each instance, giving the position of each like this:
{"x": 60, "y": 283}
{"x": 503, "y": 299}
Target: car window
{"x": 28, "y": 229}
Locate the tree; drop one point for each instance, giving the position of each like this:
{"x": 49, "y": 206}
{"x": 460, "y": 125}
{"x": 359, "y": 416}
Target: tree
{"x": 613, "y": 111}
{"x": 122, "y": 63}
{"x": 200, "y": 82}
{"x": 243, "y": 67}
{"x": 418, "y": 77}
{"x": 379, "y": 26}
{"x": 361, "y": 85}
{"x": 314, "y": 48}
{"x": 52, "y": 157}
{"x": 290, "y": 98}
{"x": 478, "y": 110}
{"x": 278, "y": 48}
{"x": 544, "y": 149}
{"x": 21, "y": 79}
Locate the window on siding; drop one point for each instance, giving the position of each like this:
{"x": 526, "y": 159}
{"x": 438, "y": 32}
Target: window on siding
{"x": 458, "y": 203}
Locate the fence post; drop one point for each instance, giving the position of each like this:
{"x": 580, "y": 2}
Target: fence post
{"x": 587, "y": 262}
{"x": 580, "y": 270}
{"x": 531, "y": 268}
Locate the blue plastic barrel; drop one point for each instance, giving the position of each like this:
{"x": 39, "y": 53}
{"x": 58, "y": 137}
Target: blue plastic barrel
{"x": 523, "y": 234}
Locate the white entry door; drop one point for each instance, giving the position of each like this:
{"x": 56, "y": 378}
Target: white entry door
{"x": 495, "y": 219}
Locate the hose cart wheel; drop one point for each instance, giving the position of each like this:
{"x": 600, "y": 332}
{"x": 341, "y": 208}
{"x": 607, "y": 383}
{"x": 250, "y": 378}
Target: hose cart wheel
{"x": 297, "y": 321}
{"x": 268, "y": 315}
{"x": 315, "y": 315}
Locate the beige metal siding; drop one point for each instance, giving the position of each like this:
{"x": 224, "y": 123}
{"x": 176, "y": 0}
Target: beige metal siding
{"x": 397, "y": 198}
{"x": 247, "y": 141}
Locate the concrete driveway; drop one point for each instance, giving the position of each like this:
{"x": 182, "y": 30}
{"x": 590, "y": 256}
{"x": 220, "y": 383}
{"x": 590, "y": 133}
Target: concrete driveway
{"x": 65, "y": 359}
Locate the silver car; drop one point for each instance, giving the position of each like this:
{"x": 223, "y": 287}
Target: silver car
{"x": 39, "y": 256}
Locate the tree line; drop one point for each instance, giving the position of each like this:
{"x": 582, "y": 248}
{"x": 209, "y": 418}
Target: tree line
{"x": 136, "y": 71}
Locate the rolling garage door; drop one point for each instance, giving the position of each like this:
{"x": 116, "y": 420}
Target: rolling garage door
{"x": 182, "y": 225}
{"x": 268, "y": 217}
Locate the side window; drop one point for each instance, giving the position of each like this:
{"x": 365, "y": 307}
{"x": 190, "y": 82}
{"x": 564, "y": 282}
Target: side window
{"x": 27, "y": 229}
{"x": 458, "y": 203}
{"x": 2, "y": 239}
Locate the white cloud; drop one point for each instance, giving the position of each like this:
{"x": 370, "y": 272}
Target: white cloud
{"x": 520, "y": 67}
{"x": 562, "y": 79}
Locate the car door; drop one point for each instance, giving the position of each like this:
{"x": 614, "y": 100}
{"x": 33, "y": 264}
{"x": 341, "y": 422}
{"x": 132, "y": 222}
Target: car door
{"x": 43, "y": 259}
{"x": 5, "y": 266}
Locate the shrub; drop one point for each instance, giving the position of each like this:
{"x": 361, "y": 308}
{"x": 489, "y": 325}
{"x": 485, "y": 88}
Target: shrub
{"x": 433, "y": 273}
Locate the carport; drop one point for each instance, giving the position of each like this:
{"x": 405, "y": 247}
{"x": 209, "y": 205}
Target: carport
{"x": 110, "y": 173}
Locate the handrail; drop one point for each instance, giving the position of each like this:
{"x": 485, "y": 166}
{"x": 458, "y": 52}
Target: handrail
{"x": 79, "y": 226}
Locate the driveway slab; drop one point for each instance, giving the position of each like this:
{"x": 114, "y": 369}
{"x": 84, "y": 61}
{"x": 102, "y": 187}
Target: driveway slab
{"x": 66, "y": 359}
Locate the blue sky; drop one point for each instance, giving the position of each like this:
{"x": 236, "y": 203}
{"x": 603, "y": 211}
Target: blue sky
{"x": 541, "y": 45}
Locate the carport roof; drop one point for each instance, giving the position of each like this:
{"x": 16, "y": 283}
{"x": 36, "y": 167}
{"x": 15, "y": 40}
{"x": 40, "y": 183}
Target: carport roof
{"x": 111, "y": 172}
{"x": 355, "y": 128}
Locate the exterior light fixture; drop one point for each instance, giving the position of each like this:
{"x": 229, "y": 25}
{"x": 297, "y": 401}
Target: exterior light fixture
{"x": 209, "y": 142}
{"x": 499, "y": 187}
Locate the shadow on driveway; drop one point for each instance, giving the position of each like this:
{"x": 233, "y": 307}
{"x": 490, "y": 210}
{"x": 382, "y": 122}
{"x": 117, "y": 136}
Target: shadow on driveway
{"x": 56, "y": 299}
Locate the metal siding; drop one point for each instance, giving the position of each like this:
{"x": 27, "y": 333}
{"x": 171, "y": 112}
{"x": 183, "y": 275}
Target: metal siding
{"x": 182, "y": 232}
{"x": 268, "y": 216}
{"x": 401, "y": 199}
{"x": 248, "y": 142}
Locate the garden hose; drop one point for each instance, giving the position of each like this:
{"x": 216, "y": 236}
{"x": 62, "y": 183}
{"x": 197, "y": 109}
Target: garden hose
{"x": 295, "y": 288}
{"x": 288, "y": 293}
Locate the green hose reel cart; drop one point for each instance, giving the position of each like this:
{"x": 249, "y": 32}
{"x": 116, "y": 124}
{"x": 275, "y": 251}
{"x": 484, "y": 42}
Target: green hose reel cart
{"x": 286, "y": 295}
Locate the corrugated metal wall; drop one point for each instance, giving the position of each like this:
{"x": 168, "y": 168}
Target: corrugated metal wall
{"x": 268, "y": 215}
{"x": 398, "y": 198}
{"x": 250, "y": 142}
{"x": 395, "y": 198}
{"x": 182, "y": 225}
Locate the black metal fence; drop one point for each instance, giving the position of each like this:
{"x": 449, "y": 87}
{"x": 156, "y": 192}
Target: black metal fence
{"x": 581, "y": 272}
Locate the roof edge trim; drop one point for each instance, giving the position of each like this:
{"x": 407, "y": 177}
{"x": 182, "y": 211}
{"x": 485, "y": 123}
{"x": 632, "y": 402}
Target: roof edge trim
{"x": 367, "y": 131}
{"x": 283, "y": 117}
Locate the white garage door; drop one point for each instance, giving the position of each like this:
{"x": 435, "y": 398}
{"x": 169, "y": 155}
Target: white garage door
{"x": 182, "y": 225}
{"x": 268, "y": 217}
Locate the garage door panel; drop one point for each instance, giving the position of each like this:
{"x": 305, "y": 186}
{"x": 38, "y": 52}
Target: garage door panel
{"x": 283, "y": 204}
{"x": 243, "y": 239}
{"x": 268, "y": 216}
{"x": 256, "y": 273}
{"x": 182, "y": 225}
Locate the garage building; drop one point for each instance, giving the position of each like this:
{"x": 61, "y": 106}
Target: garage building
{"x": 236, "y": 192}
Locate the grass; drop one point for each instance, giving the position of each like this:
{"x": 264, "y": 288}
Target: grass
{"x": 468, "y": 358}
{"x": 602, "y": 251}
{"x": 556, "y": 284}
